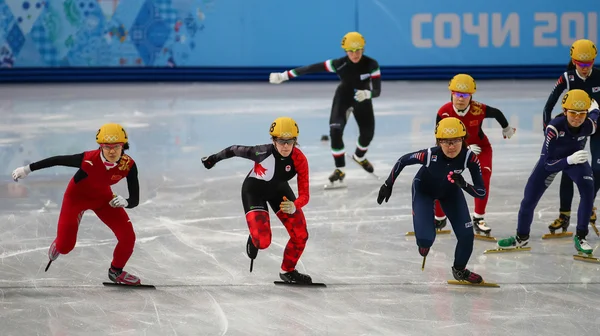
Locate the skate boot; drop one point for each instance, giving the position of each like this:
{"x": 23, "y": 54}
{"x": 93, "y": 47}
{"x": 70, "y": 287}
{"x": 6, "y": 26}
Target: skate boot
{"x": 513, "y": 243}
{"x": 336, "y": 180}
{"x": 295, "y": 277}
{"x": 423, "y": 251}
{"x": 364, "y": 163}
{"x": 52, "y": 254}
{"x": 581, "y": 244}
{"x": 466, "y": 275}
{"x": 118, "y": 276}
{"x": 482, "y": 231}
{"x": 584, "y": 250}
{"x": 561, "y": 223}
{"x": 251, "y": 250}
{"x": 440, "y": 223}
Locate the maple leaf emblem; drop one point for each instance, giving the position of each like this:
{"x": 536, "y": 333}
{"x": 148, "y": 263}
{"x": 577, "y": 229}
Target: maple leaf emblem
{"x": 259, "y": 170}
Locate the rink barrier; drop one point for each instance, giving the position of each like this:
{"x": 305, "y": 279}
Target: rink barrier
{"x": 216, "y": 74}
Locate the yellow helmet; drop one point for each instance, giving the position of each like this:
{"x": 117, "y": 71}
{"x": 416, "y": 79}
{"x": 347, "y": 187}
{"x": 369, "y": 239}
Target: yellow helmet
{"x": 449, "y": 128}
{"x": 462, "y": 83}
{"x": 583, "y": 50}
{"x": 284, "y": 127}
{"x": 353, "y": 41}
{"x": 576, "y": 100}
{"x": 111, "y": 133}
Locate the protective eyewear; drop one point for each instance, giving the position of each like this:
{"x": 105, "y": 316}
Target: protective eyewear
{"x": 285, "y": 141}
{"x": 114, "y": 146}
{"x": 449, "y": 142}
{"x": 584, "y": 64}
{"x": 578, "y": 114}
{"x": 353, "y": 50}
{"x": 461, "y": 94}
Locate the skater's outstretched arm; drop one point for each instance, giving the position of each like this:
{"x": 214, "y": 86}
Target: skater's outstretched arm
{"x": 559, "y": 88}
{"x": 327, "y": 66}
{"x": 418, "y": 157}
{"x": 254, "y": 153}
{"x": 74, "y": 161}
{"x": 476, "y": 190}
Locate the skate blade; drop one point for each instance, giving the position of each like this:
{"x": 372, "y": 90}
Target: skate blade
{"x": 334, "y": 186}
{"x": 502, "y": 250}
{"x": 586, "y": 258}
{"x": 412, "y": 233}
{"x": 485, "y": 237}
{"x": 313, "y": 284}
{"x": 48, "y": 266}
{"x": 113, "y": 284}
{"x": 358, "y": 163}
{"x": 466, "y": 283}
{"x": 557, "y": 235}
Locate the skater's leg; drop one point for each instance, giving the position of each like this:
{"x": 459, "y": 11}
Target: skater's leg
{"x": 582, "y": 175}
{"x": 295, "y": 225}
{"x": 257, "y": 218}
{"x": 68, "y": 225}
{"x": 537, "y": 184}
{"x": 120, "y": 224}
{"x": 337, "y": 122}
{"x": 422, "y": 210}
{"x": 485, "y": 160}
{"x": 365, "y": 118}
{"x": 457, "y": 210}
{"x": 566, "y": 193}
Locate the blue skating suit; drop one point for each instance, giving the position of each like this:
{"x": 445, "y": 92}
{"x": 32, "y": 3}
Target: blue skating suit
{"x": 431, "y": 183}
{"x": 561, "y": 141}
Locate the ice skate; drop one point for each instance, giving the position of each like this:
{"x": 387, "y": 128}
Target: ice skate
{"x": 121, "y": 277}
{"x": 511, "y": 244}
{"x": 482, "y": 231}
{"x": 593, "y": 222}
{"x": 52, "y": 254}
{"x": 439, "y": 225}
{"x": 584, "y": 250}
{"x": 336, "y": 180}
{"x": 423, "y": 251}
{"x": 252, "y": 251}
{"x": 365, "y": 164}
{"x": 468, "y": 278}
{"x": 562, "y": 222}
{"x": 296, "y": 278}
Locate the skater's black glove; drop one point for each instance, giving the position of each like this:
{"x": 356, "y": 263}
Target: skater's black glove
{"x": 209, "y": 161}
{"x": 457, "y": 179}
{"x": 384, "y": 193}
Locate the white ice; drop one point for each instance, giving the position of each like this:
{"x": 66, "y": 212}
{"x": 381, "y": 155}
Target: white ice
{"x": 191, "y": 232}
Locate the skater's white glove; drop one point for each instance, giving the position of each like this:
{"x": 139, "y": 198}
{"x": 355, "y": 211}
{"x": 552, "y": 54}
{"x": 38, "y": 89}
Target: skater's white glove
{"x": 578, "y": 157}
{"x": 475, "y": 149}
{"x": 361, "y": 95}
{"x": 21, "y": 173}
{"x": 594, "y": 106}
{"x": 287, "y": 206}
{"x": 118, "y": 202}
{"x": 278, "y": 77}
{"x": 508, "y": 132}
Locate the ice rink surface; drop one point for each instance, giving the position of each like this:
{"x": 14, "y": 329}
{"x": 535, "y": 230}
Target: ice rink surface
{"x": 191, "y": 231}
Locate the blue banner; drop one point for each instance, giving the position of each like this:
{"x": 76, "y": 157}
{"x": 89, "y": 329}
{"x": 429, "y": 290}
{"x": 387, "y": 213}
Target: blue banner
{"x": 463, "y": 32}
{"x": 153, "y": 37}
